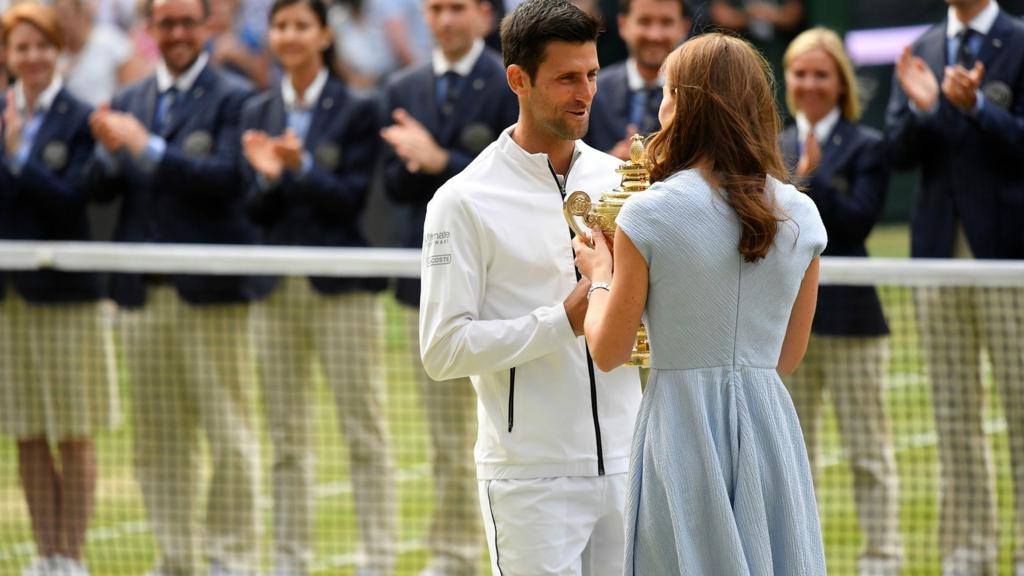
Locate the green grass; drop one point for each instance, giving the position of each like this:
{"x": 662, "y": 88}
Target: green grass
{"x": 121, "y": 545}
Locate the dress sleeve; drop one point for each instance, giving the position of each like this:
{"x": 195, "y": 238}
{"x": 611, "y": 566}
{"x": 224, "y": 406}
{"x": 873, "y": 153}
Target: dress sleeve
{"x": 638, "y": 221}
{"x": 812, "y": 229}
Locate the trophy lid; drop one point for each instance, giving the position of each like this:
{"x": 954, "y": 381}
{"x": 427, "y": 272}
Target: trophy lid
{"x": 635, "y": 177}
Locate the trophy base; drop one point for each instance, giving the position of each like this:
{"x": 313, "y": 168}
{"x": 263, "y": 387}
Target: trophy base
{"x": 641, "y": 359}
{"x": 641, "y": 355}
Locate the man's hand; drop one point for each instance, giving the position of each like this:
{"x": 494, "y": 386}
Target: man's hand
{"x": 763, "y": 11}
{"x": 960, "y": 85}
{"x": 917, "y": 81}
{"x": 621, "y": 149}
{"x": 258, "y": 149}
{"x": 101, "y": 123}
{"x": 576, "y": 306}
{"x": 13, "y": 125}
{"x": 413, "y": 143}
{"x": 126, "y": 131}
{"x": 288, "y": 148}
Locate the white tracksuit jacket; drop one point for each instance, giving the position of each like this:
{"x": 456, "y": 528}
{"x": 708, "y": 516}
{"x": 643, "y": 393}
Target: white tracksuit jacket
{"x": 497, "y": 265}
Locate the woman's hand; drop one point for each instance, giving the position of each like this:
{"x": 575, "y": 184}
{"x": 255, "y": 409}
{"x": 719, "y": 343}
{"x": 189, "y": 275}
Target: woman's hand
{"x": 258, "y": 149}
{"x": 594, "y": 262}
{"x": 811, "y": 157}
{"x": 12, "y": 126}
{"x": 288, "y": 148}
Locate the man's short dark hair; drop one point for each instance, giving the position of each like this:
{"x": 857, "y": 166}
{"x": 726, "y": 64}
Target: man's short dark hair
{"x": 626, "y": 5}
{"x": 147, "y": 8}
{"x": 527, "y": 31}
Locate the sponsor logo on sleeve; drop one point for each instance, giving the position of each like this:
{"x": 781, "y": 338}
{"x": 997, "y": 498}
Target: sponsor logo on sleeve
{"x": 439, "y": 260}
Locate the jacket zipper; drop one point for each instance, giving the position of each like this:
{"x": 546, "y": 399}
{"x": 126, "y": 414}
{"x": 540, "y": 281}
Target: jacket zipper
{"x": 590, "y": 361}
{"x": 511, "y": 396}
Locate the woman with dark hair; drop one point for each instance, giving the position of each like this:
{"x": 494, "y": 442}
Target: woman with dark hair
{"x": 311, "y": 145}
{"x": 57, "y": 377}
{"x": 722, "y": 256}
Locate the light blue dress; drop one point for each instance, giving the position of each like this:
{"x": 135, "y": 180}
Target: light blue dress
{"x": 719, "y": 479}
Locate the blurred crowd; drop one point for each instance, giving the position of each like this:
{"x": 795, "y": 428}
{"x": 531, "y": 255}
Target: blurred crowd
{"x": 108, "y": 45}
{"x": 270, "y": 122}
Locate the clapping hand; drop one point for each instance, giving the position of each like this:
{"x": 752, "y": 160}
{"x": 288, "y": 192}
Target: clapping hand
{"x": 960, "y": 85}
{"x": 917, "y": 81}
{"x": 621, "y": 149}
{"x": 259, "y": 149}
{"x": 414, "y": 145}
{"x": 116, "y": 130}
{"x": 811, "y": 156}
{"x": 13, "y": 125}
{"x": 288, "y": 148}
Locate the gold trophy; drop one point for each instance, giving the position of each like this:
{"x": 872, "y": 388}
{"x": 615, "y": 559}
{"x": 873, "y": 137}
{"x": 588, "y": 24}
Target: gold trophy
{"x": 635, "y": 178}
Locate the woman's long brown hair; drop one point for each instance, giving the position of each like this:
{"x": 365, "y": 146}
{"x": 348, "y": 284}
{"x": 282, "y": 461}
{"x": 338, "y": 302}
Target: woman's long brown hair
{"x": 726, "y": 122}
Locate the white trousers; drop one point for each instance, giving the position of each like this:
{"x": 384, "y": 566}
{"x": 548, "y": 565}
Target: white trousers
{"x": 569, "y": 526}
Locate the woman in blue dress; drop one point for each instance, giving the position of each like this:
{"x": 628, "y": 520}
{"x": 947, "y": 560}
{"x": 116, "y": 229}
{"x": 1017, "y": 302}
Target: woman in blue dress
{"x": 722, "y": 258}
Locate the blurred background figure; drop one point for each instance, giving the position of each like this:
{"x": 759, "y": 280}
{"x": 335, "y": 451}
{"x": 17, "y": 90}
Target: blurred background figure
{"x": 957, "y": 113}
{"x": 233, "y": 48}
{"x": 58, "y": 379}
{"x": 170, "y": 149}
{"x": 119, "y": 13}
{"x": 311, "y": 146}
{"x": 629, "y": 93}
{"x": 374, "y": 38}
{"x": 439, "y": 116}
{"x": 770, "y": 25}
{"x": 4, "y": 75}
{"x": 842, "y": 166}
{"x": 99, "y": 57}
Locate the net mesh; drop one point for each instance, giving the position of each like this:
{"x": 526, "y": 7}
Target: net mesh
{"x": 300, "y": 433}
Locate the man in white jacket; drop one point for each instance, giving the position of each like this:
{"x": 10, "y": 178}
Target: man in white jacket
{"x": 503, "y": 304}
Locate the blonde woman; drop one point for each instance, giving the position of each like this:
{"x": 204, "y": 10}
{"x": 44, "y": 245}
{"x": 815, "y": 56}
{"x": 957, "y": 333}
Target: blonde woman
{"x": 842, "y": 167}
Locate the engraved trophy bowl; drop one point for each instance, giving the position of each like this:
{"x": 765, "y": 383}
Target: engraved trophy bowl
{"x": 578, "y": 206}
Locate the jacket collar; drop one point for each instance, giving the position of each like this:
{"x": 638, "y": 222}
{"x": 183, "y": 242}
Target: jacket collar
{"x": 165, "y": 80}
{"x": 465, "y": 64}
{"x": 311, "y": 95}
{"x": 535, "y": 164}
{"x": 43, "y": 102}
{"x": 982, "y": 23}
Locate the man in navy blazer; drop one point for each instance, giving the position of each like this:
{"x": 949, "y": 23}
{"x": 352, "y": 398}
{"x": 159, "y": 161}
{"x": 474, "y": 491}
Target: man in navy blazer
{"x": 440, "y": 116}
{"x": 629, "y": 93}
{"x": 169, "y": 148}
{"x": 957, "y": 112}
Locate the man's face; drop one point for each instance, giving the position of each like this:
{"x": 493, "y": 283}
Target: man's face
{"x": 652, "y": 29}
{"x": 456, "y": 23}
{"x": 177, "y": 27}
{"x": 560, "y": 95}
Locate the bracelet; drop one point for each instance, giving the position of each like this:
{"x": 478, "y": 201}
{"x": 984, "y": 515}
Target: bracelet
{"x": 598, "y": 286}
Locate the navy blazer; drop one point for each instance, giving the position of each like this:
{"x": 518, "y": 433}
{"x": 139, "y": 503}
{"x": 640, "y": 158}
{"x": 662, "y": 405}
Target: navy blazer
{"x": 485, "y": 106}
{"x": 972, "y": 166}
{"x": 195, "y": 195}
{"x": 848, "y": 187}
{"x": 324, "y": 206}
{"x": 609, "y": 113}
{"x": 46, "y": 201}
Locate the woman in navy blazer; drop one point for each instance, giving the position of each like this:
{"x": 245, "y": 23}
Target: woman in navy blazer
{"x": 310, "y": 146}
{"x": 841, "y": 165}
{"x": 57, "y": 386}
